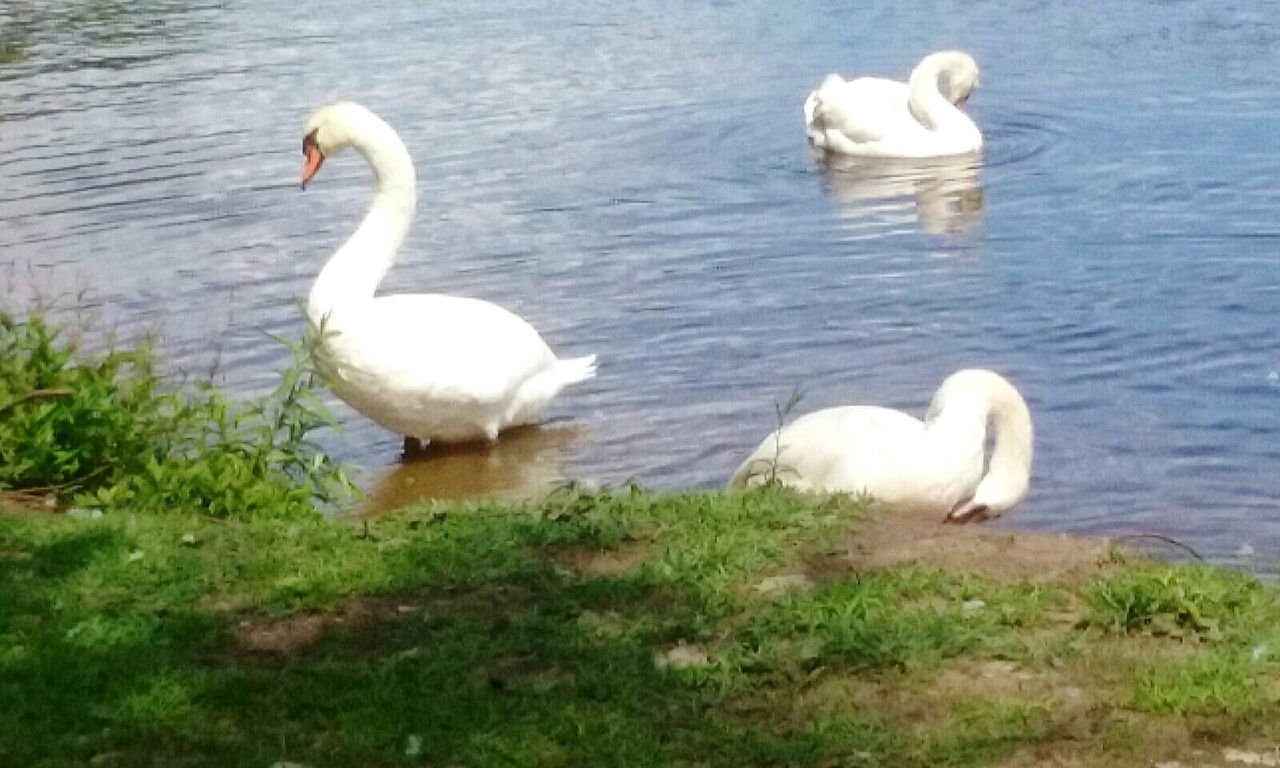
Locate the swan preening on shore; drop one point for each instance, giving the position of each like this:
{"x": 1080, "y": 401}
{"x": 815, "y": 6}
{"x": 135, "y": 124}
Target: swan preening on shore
{"x": 875, "y": 117}
{"x": 938, "y": 465}
{"x": 430, "y": 367}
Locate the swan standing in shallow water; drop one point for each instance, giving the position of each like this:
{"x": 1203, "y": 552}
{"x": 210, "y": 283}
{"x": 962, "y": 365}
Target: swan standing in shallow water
{"x": 427, "y": 366}
{"x": 935, "y": 465}
{"x": 874, "y": 117}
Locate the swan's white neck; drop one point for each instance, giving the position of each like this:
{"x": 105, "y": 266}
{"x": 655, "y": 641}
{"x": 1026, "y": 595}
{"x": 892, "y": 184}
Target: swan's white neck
{"x": 935, "y": 111}
{"x": 965, "y": 405}
{"x": 353, "y": 273}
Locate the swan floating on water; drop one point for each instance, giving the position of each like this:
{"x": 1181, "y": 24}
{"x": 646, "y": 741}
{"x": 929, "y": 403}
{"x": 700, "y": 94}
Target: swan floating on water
{"x": 875, "y": 117}
{"x": 428, "y": 366}
{"x": 935, "y": 465}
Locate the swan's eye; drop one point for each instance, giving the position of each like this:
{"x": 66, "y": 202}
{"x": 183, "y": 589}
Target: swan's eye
{"x": 309, "y": 141}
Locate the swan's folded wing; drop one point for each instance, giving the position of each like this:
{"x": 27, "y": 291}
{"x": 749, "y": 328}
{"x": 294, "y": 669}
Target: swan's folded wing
{"x": 864, "y": 110}
{"x": 443, "y": 347}
{"x": 847, "y": 448}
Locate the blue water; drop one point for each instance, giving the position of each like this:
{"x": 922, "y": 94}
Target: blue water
{"x": 633, "y": 179}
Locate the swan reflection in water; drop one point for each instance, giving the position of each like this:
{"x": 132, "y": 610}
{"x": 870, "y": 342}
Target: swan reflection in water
{"x": 945, "y": 192}
{"x": 525, "y": 463}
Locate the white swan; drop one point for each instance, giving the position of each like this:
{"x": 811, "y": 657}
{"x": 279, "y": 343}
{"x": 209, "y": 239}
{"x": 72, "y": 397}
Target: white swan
{"x": 427, "y": 366}
{"x": 936, "y": 465}
{"x": 874, "y": 117}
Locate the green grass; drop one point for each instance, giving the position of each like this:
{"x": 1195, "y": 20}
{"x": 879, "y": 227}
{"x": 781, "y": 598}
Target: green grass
{"x": 1228, "y": 683}
{"x": 490, "y": 634}
{"x": 890, "y": 620}
{"x": 1193, "y": 603}
{"x": 1231, "y": 614}
{"x": 122, "y": 636}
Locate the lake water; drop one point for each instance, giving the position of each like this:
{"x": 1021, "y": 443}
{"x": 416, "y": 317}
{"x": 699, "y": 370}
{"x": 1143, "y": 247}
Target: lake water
{"x": 633, "y": 179}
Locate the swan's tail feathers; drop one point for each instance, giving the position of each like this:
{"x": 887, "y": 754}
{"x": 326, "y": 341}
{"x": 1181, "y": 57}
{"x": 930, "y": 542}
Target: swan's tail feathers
{"x": 814, "y": 119}
{"x": 535, "y": 393}
{"x": 576, "y": 369}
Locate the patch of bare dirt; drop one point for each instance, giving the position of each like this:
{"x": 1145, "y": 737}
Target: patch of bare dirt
{"x": 1083, "y": 705}
{"x": 290, "y": 634}
{"x": 681, "y": 656}
{"x": 524, "y": 672}
{"x": 1084, "y": 723}
{"x": 886, "y": 540}
{"x": 928, "y": 701}
{"x": 1146, "y": 742}
{"x": 590, "y": 561}
{"x": 297, "y": 632}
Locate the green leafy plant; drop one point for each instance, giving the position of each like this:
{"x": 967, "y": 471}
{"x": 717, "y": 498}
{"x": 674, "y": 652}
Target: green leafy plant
{"x": 1215, "y": 683}
{"x": 1188, "y": 602}
{"x": 104, "y": 430}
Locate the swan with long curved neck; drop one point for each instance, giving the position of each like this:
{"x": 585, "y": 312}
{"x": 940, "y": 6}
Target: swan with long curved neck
{"x": 938, "y": 465}
{"x": 874, "y": 117}
{"x": 430, "y": 367}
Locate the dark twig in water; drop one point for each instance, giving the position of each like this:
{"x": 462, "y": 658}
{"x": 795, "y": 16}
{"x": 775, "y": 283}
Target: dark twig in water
{"x": 1160, "y": 537}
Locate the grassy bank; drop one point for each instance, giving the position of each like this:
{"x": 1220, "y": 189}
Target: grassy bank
{"x": 184, "y": 603}
{"x": 612, "y": 629}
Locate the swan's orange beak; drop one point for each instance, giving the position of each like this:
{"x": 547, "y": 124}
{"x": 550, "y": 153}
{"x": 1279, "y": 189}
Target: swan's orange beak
{"x": 314, "y": 159}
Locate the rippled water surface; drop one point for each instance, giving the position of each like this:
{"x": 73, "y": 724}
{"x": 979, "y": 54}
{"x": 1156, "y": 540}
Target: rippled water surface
{"x": 633, "y": 179}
